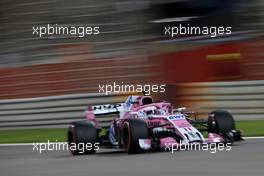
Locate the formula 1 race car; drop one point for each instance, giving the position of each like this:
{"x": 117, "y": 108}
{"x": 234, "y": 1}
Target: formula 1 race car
{"x": 144, "y": 125}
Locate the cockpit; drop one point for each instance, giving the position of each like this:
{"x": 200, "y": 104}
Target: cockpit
{"x": 152, "y": 110}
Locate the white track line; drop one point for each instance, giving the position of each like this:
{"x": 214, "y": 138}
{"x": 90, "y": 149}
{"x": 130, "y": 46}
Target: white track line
{"x": 255, "y": 137}
{"x": 30, "y": 144}
{"x": 17, "y": 144}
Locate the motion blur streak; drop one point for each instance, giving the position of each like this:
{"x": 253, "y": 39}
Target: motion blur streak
{"x": 130, "y": 48}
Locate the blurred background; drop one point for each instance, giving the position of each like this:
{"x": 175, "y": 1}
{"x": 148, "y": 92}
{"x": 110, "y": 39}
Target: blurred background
{"x": 200, "y": 72}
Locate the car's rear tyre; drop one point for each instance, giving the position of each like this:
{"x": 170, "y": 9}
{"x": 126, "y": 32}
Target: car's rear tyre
{"x": 82, "y": 135}
{"x": 133, "y": 130}
{"x": 220, "y": 121}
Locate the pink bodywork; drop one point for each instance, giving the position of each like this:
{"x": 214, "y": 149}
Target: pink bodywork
{"x": 91, "y": 117}
{"x": 214, "y": 138}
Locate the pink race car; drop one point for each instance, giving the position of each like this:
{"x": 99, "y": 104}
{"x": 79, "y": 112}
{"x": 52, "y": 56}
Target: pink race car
{"x": 144, "y": 125}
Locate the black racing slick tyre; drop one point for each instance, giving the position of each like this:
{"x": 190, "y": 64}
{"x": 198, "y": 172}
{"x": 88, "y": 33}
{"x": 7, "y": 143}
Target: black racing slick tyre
{"x": 133, "y": 130}
{"x": 220, "y": 122}
{"x": 82, "y": 138}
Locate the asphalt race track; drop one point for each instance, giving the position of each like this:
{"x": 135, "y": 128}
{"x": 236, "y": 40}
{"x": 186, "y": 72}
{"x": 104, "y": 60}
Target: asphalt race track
{"x": 245, "y": 158}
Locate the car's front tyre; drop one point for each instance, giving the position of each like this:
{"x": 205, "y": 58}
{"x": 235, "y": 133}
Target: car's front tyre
{"x": 222, "y": 122}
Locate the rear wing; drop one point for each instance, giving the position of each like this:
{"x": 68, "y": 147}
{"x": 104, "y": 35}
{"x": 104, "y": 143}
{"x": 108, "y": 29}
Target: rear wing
{"x": 105, "y": 109}
{"x": 102, "y": 115}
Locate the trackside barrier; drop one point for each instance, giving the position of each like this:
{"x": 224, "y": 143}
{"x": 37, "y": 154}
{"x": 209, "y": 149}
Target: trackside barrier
{"x": 54, "y": 111}
{"x": 244, "y": 99}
